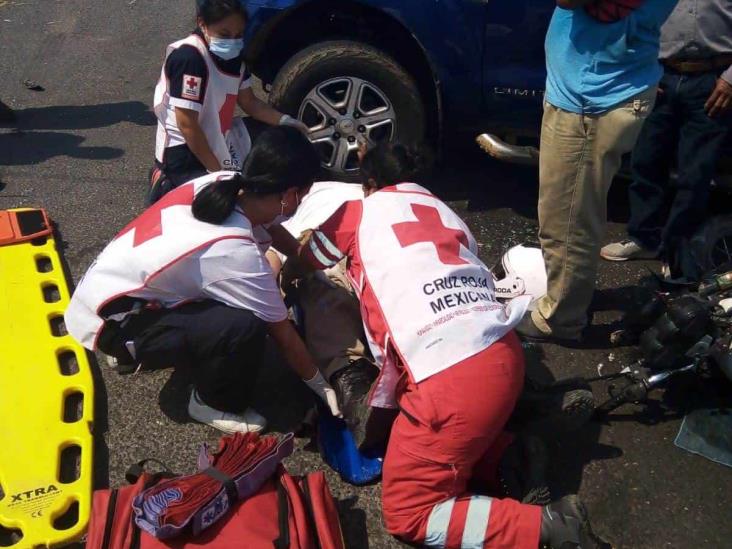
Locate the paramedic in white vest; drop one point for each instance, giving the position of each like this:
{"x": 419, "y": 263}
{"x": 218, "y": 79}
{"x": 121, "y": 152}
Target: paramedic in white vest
{"x": 186, "y": 284}
{"x": 202, "y": 81}
{"x": 449, "y": 360}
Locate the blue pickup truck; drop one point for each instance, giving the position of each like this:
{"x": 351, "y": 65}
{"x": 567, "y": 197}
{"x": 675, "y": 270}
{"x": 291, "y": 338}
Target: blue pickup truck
{"x": 356, "y": 70}
{"x": 412, "y": 70}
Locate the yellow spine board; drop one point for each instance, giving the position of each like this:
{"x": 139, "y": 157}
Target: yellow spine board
{"x": 46, "y": 403}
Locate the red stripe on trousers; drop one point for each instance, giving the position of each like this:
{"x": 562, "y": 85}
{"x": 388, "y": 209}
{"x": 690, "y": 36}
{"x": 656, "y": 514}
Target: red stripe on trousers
{"x": 457, "y": 522}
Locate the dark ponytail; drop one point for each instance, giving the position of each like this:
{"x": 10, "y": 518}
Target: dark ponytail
{"x": 390, "y": 163}
{"x": 215, "y": 202}
{"x": 213, "y": 11}
{"x": 281, "y": 158}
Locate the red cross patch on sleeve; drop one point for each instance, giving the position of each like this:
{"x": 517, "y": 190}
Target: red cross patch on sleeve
{"x": 191, "y": 87}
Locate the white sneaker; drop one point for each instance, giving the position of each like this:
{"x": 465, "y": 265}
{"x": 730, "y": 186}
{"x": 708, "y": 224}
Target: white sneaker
{"x": 247, "y": 422}
{"x": 122, "y": 369}
{"x": 625, "y": 250}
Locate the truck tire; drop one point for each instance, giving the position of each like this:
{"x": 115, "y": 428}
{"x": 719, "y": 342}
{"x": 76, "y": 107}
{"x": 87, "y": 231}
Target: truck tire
{"x": 348, "y": 92}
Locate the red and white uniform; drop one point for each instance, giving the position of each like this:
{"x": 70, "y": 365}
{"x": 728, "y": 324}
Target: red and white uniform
{"x": 227, "y": 136}
{"x": 427, "y": 300}
{"x": 167, "y": 257}
{"x": 449, "y": 360}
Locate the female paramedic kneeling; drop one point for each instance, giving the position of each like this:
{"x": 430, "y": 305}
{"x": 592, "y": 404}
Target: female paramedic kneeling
{"x": 202, "y": 81}
{"x": 186, "y": 284}
{"x": 449, "y": 360}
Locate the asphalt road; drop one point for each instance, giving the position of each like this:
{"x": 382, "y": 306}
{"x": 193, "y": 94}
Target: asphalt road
{"x": 82, "y": 148}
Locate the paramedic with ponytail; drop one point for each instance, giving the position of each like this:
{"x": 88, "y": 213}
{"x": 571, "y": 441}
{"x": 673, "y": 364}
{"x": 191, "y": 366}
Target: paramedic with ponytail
{"x": 185, "y": 284}
{"x": 449, "y": 359}
{"x": 202, "y": 81}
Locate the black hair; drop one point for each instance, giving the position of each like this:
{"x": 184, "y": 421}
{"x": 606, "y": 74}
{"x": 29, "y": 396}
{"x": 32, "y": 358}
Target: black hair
{"x": 213, "y": 11}
{"x": 390, "y": 163}
{"x": 281, "y": 158}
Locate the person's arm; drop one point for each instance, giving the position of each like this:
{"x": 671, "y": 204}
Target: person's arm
{"x": 235, "y": 273}
{"x": 187, "y": 75}
{"x": 283, "y": 241}
{"x": 259, "y": 110}
{"x": 720, "y": 100}
{"x": 300, "y": 361}
{"x": 187, "y": 121}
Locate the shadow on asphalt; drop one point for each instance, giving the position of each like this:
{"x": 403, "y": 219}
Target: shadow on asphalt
{"x": 353, "y": 522}
{"x": 82, "y": 117}
{"x": 36, "y": 135}
{"x": 467, "y": 173}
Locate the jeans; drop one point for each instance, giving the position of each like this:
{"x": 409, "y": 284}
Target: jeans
{"x": 662, "y": 214}
{"x": 580, "y": 155}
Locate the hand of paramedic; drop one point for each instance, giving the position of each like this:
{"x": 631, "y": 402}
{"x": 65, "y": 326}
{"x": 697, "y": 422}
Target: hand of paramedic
{"x": 301, "y": 362}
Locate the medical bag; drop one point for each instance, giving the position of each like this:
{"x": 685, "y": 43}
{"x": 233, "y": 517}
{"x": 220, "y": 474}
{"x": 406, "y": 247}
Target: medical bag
{"x": 287, "y": 512}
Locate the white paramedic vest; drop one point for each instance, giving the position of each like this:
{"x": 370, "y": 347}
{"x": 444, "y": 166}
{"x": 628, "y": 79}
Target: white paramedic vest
{"x": 149, "y": 249}
{"x": 437, "y": 297}
{"x": 226, "y": 135}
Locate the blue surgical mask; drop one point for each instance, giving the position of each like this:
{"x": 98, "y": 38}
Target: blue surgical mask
{"x": 225, "y": 48}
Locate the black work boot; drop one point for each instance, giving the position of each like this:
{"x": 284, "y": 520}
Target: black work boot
{"x": 522, "y": 471}
{"x": 352, "y": 385}
{"x": 565, "y": 525}
{"x": 563, "y": 407}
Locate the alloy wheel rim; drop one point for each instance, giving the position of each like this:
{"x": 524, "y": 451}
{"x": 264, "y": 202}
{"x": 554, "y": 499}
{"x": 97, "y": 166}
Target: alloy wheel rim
{"x": 343, "y": 112}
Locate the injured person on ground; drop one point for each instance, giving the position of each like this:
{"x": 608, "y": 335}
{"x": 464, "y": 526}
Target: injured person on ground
{"x": 451, "y": 376}
{"x": 329, "y": 316}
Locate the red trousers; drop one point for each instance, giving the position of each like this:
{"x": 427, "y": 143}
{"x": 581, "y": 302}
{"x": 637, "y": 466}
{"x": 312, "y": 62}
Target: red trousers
{"x": 450, "y": 433}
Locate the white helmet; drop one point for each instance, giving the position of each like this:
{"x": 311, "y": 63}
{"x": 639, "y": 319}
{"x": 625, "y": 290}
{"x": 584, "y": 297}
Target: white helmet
{"x": 521, "y": 272}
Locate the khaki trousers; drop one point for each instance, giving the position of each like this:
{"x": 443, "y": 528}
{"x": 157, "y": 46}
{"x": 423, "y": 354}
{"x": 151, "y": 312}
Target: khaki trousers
{"x": 580, "y": 155}
{"x": 334, "y": 331}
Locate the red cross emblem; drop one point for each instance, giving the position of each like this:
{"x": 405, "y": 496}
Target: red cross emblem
{"x": 429, "y": 228}
{"x": 226, "y": 114}
{"x": 149, "y": 225}
{"x": 191, "y": 82}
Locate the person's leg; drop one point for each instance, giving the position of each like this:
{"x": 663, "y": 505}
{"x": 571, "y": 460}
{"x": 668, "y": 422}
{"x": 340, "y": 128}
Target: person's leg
{"x": 447, "y": 424}
{"x": 583, "y": 157}
{"x": 222, "y": 345}
{"x": 651, "y": 164}
{"x": 333, "y": 332}
{"x": 564, "y": 171}
{"x": 701, "y": 139}
{"x": 179, "y": 166}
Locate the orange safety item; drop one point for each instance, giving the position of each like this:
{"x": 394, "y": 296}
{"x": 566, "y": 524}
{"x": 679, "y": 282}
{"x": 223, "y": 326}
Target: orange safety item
{"x": 23, "y": 225}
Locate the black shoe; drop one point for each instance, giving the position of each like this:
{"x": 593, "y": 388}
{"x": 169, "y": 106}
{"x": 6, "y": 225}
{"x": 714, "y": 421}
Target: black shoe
{"x": 565, "y": 525}
{"x": 522, "y": 471}
{"x": 530, "y": 332}
{"x": 159, "y": 185}
{"x": 352, "y": 385}
{"x": 564, "y": 407}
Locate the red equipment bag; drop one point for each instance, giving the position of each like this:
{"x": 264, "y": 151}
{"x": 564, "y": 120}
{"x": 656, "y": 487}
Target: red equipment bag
{"x": 286, "y": 513}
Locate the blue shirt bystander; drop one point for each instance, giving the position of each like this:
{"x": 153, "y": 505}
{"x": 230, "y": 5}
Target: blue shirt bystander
{"x": 593, "y": 66}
